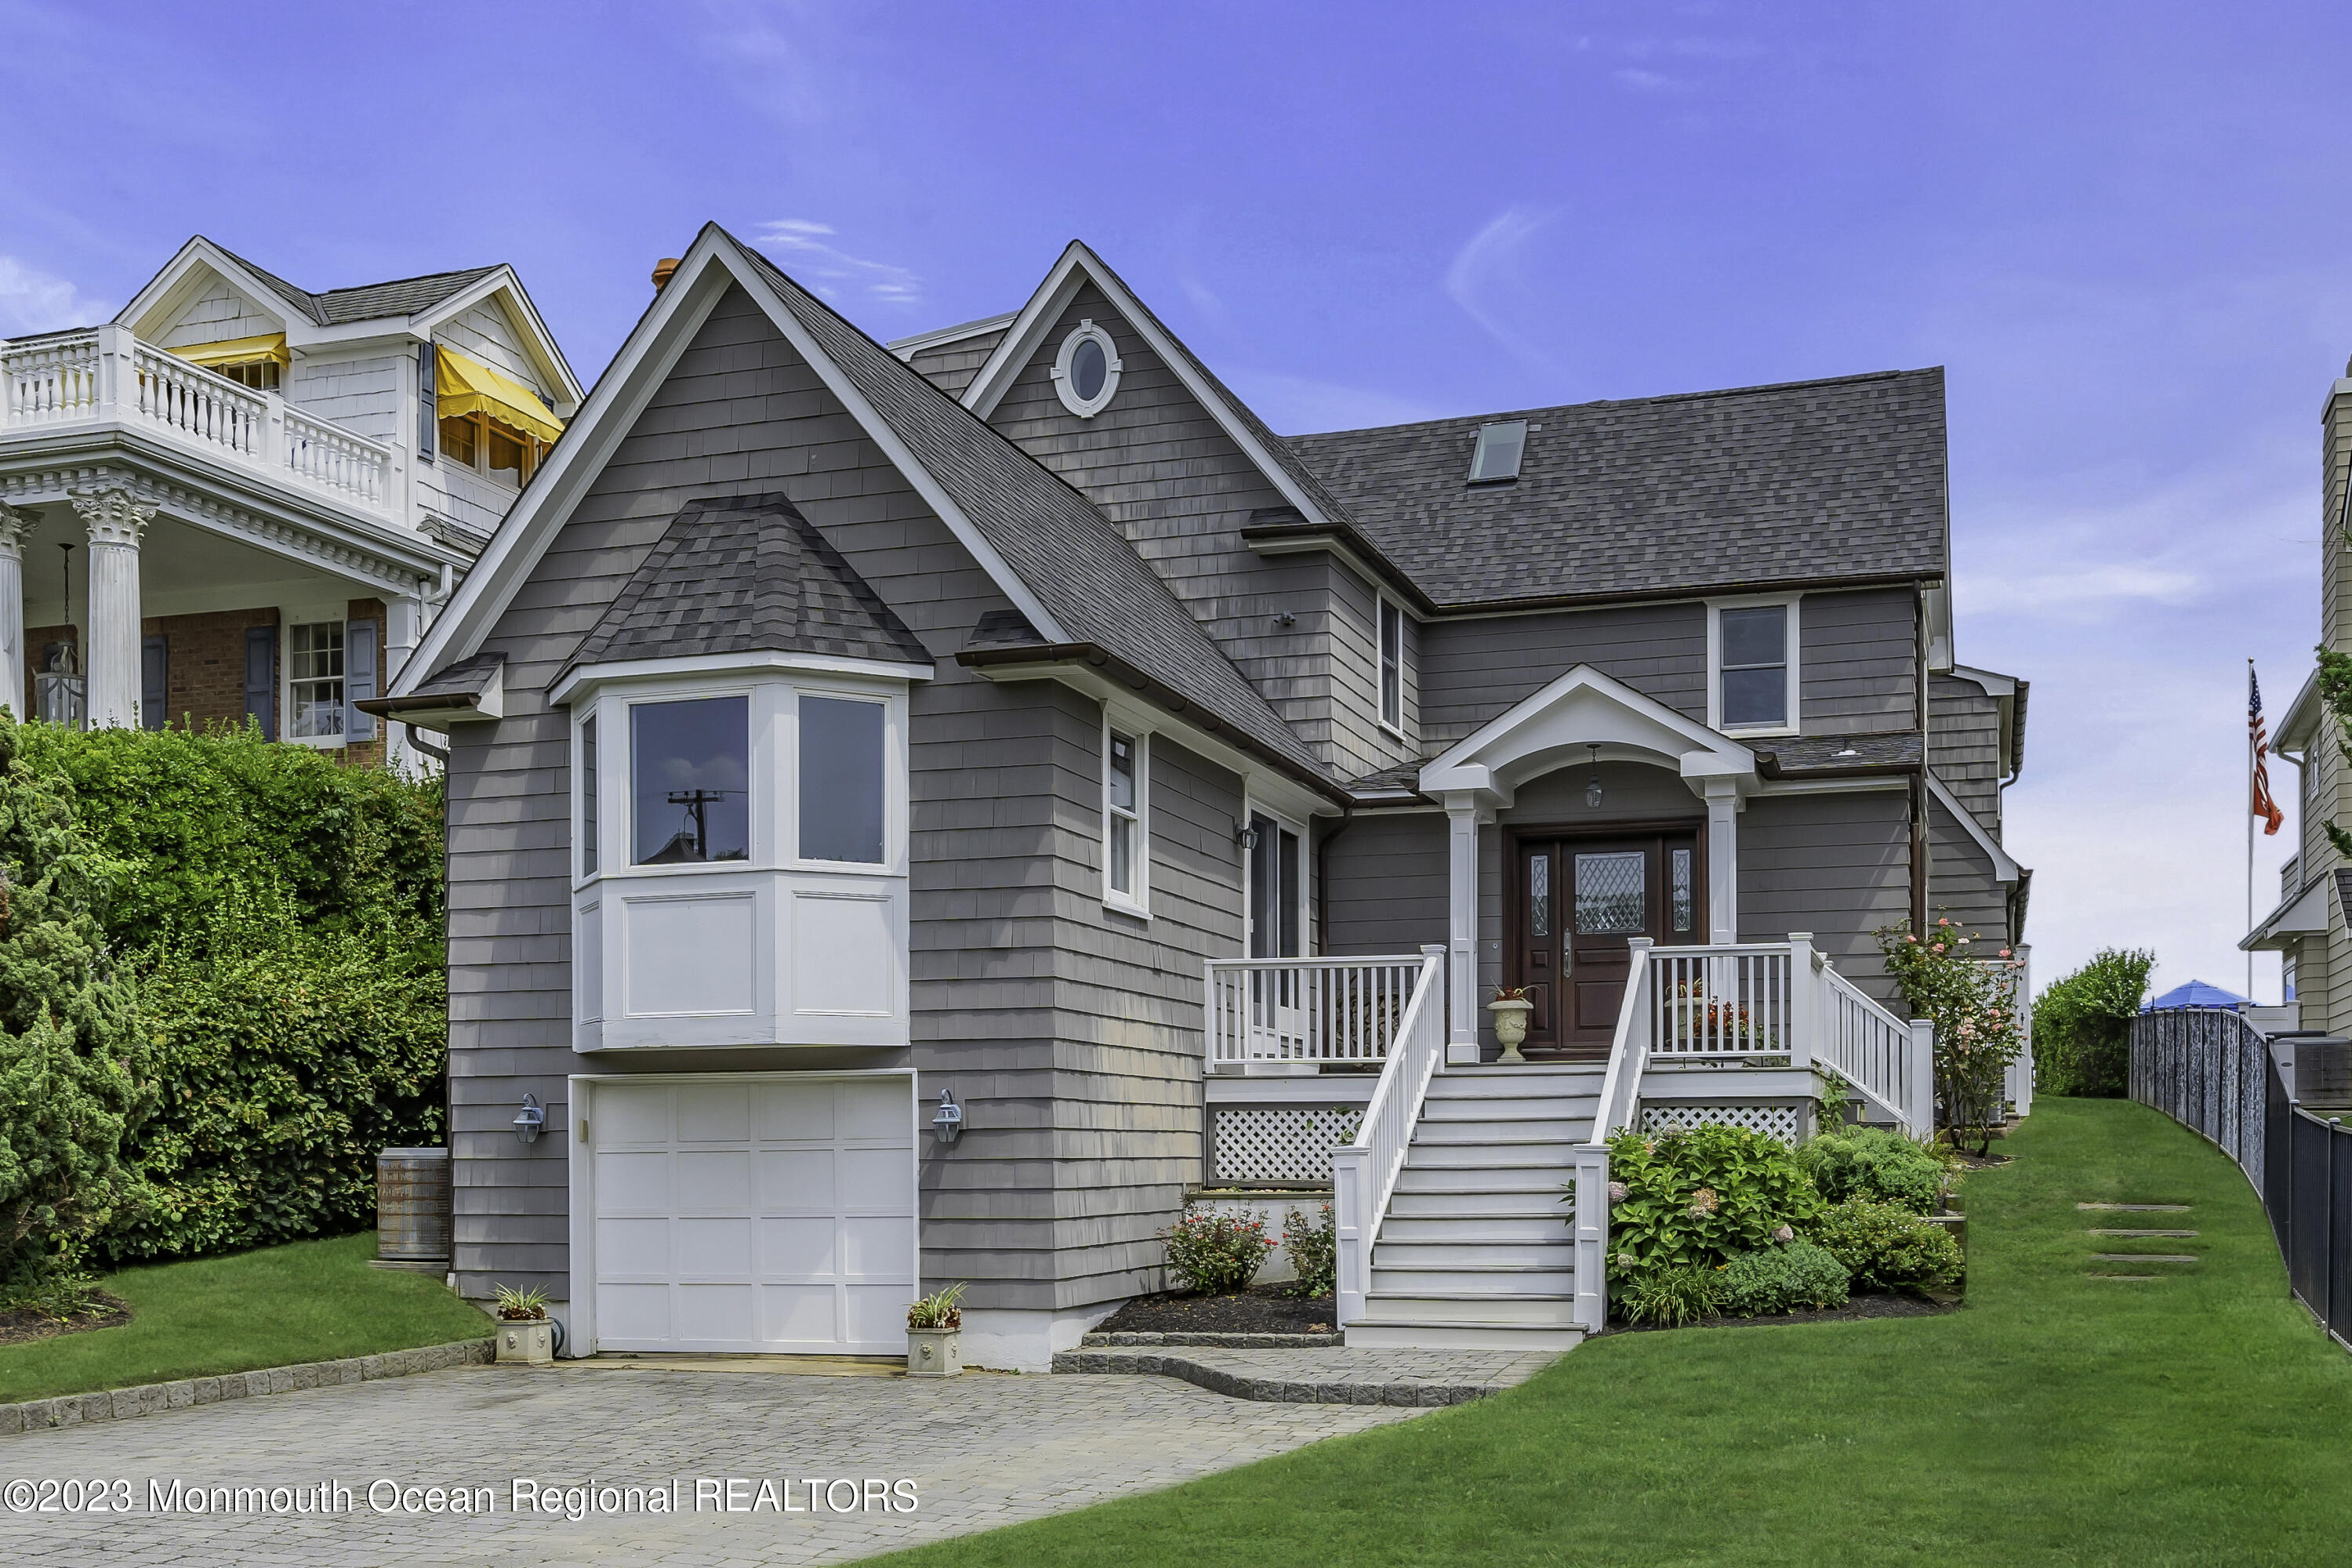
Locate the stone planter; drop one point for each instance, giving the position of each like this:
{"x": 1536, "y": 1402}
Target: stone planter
{"x": 527, "y": 1341}
{"x": 934, "y": 1353}
{"x": 1511, "y": 1026}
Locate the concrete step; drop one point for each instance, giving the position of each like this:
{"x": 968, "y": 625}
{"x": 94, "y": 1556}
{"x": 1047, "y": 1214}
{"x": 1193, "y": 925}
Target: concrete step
{"x": 1433, "y": 1176}
{"x": 1498, "y": 1310}
{"x": 1473, "y": 1202}
{"x": 1492, "y": 1130}
{"x": 1460, "y": 1282}
{"x": 1480, "y": 1221}
{"x": 1468, "y": 1246}
{"x": 1513, "y": 1152}
{"x": 1440, "y": 1335}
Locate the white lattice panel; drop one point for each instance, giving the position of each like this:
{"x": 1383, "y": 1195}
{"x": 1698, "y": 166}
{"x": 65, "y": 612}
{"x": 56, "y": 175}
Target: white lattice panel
{"x": 1772, "y": 1121}
{"x": 1281, "y": 1143}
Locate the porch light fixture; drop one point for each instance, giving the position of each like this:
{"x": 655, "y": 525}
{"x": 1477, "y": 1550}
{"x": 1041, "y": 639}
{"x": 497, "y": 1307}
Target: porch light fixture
{"x": 530, "y": 1118}
{"x": 1245, "y": 836}
{"x": 948, "y": 1120}
{"x": 1592, "y": 790}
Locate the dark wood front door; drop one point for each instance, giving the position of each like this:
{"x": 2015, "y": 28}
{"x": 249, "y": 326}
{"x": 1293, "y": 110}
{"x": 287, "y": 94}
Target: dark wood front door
{"x": 1575, "y": 905}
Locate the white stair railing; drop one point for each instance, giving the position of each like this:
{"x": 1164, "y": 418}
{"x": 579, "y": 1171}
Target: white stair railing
{"x": 1734, "y": 999}
{"x": 1889, "y": 1062}
{"x": 1265, "y": 1011}
{"x": 1364, "y": 1172}
{"x": 1620, "y": 1105}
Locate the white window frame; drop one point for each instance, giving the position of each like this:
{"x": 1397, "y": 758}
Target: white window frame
{"x": 1087, "y": 331}
{"x": 288, "y": 618}
{"x": 1384, "y": 608}
{"x": 1715, "y": 608}
{"x": 1137, "y": 899}
{"x": 1309, "y": 938}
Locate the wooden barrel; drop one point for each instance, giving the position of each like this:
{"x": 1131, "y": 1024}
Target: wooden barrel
{"x": 411, "y": 1209}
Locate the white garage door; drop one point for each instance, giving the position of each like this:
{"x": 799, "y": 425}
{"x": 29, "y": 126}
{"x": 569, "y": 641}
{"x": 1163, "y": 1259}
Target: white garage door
{"x": 773, "y": 1213}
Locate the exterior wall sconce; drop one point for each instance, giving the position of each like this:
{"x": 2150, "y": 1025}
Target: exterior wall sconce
{"x": 1245, "y": 836}
{"x": 530, "y": 1120}
{"x": 1592, "y": 790}
{"x": 948, "y": 1120}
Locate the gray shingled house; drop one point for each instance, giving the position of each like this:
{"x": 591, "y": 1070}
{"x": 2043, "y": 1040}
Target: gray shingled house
{"x": 1008, "y": 720}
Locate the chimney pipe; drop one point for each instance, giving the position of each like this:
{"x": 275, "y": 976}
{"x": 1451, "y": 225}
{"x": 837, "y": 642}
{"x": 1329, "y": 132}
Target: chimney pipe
{"x": 662, "y": 270}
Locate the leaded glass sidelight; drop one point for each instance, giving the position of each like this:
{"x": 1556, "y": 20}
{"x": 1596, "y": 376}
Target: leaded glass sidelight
{"x": 1539, "y": 894}
{"x": 1679, "y": 875}
{"x": 1610, "y": 893}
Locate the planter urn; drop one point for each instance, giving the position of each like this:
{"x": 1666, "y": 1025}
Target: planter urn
{"x": 526, "y": 1342}
{"x": 1511, "y": 1027}
{"x": 934, "y": 1353}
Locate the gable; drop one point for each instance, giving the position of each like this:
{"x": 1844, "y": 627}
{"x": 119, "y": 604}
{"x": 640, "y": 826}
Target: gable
{"x": 219, "y": 312}
{"x": 483, "y": 332}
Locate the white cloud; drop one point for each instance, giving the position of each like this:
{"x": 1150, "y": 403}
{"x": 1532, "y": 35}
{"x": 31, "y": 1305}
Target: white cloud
{"x": 32, "y": 301}
{"x": 803, "y": 248}
{"x": 1492, "y": 266}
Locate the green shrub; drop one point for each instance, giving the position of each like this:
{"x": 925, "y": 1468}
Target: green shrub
{"x": 1700, "y": 1198}
{"x": 1675, "y": 1296}
{"x": 1217, "y": 1254}
{"x": 1873, "y": 1163}
{"x": 285, "y": 1057}
{"x": 72, "y": 1059}
{"x": 1886, "y": 1247}
{"x": 1314, "y": 1251}
{"x": 2082, "y": 1024}
{"x": 1781, "y": 1280}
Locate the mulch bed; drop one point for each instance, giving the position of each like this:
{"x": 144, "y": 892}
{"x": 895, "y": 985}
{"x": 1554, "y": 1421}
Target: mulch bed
{"x": 23, "y": 1328}
{"x": 1260, "y": 1309}
{"x": 1871, "y": 1306}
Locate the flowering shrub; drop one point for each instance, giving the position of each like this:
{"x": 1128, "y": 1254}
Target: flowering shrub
{"x": 1698, "y": 1198}
{"x": 1695, "y": 1019}
{"x": 1314, "y": 1252}
{"x": 1783, "y": 1279}
{"x": 1972, "y": 997}
{"x": 1217, "y": 1254}
{"x": 1874, "y": 1163}
{"x": 1887, "y": 1248}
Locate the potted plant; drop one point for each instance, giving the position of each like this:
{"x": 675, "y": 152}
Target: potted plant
{"x": 526, "y": 1333}
{"x": 934, "y": 1334}
{"x": 1511, "y": 1007}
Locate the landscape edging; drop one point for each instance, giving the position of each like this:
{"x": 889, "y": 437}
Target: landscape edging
{"x": 1269, "y": 1390}
{"x": 121, "y": 1403}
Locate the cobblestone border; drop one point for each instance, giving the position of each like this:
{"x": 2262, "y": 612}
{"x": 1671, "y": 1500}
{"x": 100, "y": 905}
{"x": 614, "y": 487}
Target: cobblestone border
{"x": 1270, "y": 1390}
{"x": 1223, "y": 1341}
{"x": 121, "y": 1403}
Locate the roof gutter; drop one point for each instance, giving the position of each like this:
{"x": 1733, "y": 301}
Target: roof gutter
{"x": 1041, "y": 657}
{"x": 1689, "y": 591}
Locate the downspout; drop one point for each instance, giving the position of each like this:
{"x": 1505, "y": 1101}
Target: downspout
{"x": 1920, "y": 868}
{"x": 418, "y": 740}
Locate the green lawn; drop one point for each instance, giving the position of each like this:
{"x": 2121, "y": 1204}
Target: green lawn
{"x": 2058, "y": 1419}
{"x": 307, "y": 1301}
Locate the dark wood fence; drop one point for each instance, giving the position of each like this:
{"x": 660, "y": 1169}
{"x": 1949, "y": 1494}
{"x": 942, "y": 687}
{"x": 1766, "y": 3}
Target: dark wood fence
{"x": 2214, "y": 1074}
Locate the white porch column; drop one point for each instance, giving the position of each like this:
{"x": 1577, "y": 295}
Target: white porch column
{"x": 14, "y": 527}
{"x": 404, "y": 628}
{"x": 1722, "y": 860}
{"x": 115, "y": 521}
{"x": 1464, "y": 816}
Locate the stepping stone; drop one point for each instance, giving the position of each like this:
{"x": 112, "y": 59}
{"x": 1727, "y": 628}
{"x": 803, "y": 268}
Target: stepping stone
{"x": 2144, "y": 1258}
{"x": 2138, "y": 1208}
{"x": 2143, "y": 1233}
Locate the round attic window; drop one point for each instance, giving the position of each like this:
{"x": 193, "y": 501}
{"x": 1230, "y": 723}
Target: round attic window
{"x": 1086, "y": 372}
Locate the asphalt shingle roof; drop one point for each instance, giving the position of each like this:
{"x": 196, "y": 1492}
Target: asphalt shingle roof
{"x": 366, "y": 301}
{"x": 745, "y": 574}
{"x": 1808, "y": 481}
{"x": 1795, "y": 756}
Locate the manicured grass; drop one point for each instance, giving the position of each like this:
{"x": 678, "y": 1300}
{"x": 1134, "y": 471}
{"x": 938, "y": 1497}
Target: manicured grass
{"x": 2059, "y": 1419}
{"x": 307, "y": 1301}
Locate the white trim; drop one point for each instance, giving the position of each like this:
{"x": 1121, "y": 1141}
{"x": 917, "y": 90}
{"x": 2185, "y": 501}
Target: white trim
{"x": 1793, "y": 723}
{"x": 336, "y": 612}
{"x": 1984, "y": 680}
{"x": 588, "y": 677}
{"x": 1253, "y": 806}
{"x": 1640, "y": 728}
{"x": 1832, "y": 786}
{"x": 1087, "y": 331}
{"x": 1137, "y": 899}
{"x": 907, "y": 348}
{"x": 2004, "y": 869}
{"x": 547, "y": 354}
{"x": 2300, "y": 914}
{"x": 2301, "y": 719}
{"x": 1079, "y": 265}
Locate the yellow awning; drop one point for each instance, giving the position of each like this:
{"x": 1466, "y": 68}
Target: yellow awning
{"x": 462, "y": 386}
{"x": 236, "y": 350}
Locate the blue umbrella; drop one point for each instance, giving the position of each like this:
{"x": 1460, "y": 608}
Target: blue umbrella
{"x": 2197, "y": 993}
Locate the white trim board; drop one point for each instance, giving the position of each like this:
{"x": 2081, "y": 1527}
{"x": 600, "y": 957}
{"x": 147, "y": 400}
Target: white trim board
{"x": 2004, "y": 869}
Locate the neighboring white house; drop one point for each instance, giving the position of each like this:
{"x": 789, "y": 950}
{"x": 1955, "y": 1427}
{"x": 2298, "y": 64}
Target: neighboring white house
{"x": 240, "y": 498}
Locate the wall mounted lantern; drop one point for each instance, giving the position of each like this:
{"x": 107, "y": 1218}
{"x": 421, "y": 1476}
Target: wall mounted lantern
{"x": 1245, "y": 836}
{"x": 948, "y": 1120}
{"x": 1592, "y": 790}
{"x": 530, "y": 1120}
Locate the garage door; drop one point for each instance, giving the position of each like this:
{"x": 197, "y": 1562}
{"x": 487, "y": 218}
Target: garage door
{"x": 774, "y": 1212}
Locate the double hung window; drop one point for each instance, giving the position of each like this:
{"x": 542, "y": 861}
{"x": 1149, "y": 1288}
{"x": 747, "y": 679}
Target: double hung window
{"x": 1125, "y": 847}
{"x": 1755, "y": 673}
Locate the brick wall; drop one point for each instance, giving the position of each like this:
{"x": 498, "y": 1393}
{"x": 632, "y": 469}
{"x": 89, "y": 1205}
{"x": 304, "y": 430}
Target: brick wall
{"x": 203, "y": 663}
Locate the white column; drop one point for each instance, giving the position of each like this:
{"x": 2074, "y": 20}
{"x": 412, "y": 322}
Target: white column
{"x": 14, "y": 527}
{"x": 1722, "y": 860}
{"x": 404, "y": 628}
{"x": 115, "y": 521}
{"x": 1462, "y": 816}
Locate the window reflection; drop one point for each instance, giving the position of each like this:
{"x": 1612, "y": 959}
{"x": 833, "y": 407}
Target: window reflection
{"x": 690, "y": 767}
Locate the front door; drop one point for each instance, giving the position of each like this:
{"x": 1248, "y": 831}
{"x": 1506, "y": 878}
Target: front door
{"x": 1576, "y": 904}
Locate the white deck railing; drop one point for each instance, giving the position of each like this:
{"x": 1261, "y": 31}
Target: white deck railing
{"x": 1732, "y": 1000}
{"x": 1268, "y": 1011}
{"x": 110, "y": 377}
{"x": 1364, "y": 1172}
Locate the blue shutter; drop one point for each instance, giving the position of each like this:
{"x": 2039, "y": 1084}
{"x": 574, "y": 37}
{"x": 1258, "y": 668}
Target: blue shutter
{"x": 154, "y": 689}
{"x": 262, "y": 678}
{"x": 359, "y": 678}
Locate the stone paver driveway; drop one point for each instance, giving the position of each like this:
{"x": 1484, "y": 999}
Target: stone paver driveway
{"x": 981, "y": 1451}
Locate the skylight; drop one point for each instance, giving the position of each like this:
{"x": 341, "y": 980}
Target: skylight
{"x": 1497, "y": 457}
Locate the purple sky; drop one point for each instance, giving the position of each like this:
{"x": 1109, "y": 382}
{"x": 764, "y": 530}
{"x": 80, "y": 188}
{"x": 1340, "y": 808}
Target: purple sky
{"x": 2124, "y": 230}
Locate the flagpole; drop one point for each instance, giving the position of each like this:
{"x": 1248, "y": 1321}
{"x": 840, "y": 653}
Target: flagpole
{"x": 2250, "y": 836}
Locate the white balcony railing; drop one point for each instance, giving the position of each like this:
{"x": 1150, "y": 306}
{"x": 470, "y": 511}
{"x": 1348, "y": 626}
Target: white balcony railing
{"x": 110, "y": 377}
{"x": 1299, "y": 1013}
{"x": 1364, "y": 1170}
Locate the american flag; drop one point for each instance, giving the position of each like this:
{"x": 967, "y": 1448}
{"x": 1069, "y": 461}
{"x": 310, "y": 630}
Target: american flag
{"x": 2264, "y": 807}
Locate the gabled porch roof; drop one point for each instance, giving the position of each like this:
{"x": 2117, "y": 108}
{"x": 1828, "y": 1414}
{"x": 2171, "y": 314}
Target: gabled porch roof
{"x": 1562, "y": 724}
